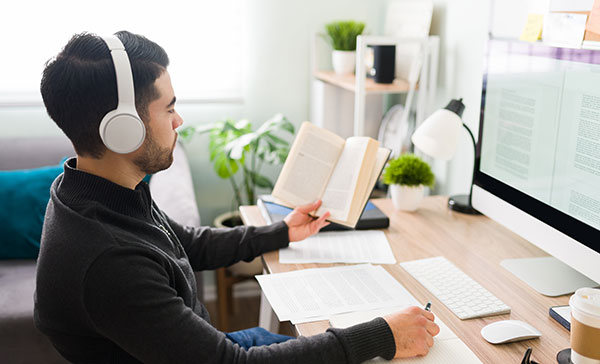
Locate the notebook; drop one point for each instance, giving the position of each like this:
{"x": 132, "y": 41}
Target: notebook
{"x": 447, "y": 347}
{"x": 371, "y": 218}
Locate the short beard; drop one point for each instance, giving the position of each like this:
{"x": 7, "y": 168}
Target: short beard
{"x": 154, "y": 158}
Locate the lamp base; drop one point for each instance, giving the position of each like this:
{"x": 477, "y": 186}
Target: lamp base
{"x": 461, "y": 204}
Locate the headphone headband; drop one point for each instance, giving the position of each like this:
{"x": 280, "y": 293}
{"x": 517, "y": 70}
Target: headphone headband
{"x": 123, "y": 72}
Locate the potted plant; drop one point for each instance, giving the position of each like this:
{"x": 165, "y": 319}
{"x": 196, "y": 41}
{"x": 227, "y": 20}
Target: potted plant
{"x": 407, "y": 176}
{"x": 342, "y": 36}
{"x": 238, "y": 153}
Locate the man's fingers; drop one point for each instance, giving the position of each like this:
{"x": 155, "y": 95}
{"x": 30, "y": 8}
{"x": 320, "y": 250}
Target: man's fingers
{"x": 428, "y": 315}
{"x": 320, "y": 222}
{"x": 432, "y": 328}
{"x": 309, "y": 207}
{"x": 429, "y": 340}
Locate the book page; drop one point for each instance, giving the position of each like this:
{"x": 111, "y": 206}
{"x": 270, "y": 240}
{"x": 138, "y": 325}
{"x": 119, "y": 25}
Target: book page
{"x": 357, "y": 208}
{"x": 308, "y": 166}
{"x": 358, "y": 153}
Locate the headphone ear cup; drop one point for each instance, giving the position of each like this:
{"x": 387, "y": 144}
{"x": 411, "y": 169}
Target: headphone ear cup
{"x": 122, "y": 133}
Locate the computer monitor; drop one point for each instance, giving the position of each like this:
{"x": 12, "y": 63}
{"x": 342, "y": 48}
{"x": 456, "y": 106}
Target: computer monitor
{"x": 537, "y": 167}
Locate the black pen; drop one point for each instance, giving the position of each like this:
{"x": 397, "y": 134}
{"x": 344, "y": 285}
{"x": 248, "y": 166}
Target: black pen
{"x": 428, "y": 306}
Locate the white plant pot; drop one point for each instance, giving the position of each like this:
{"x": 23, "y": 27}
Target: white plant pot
{"x": 407, "y": 198}
{"x": 343, "y": 61}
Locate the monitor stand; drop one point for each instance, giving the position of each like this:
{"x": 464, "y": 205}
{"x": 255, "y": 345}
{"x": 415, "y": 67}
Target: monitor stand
{"x": 547, "y": 275}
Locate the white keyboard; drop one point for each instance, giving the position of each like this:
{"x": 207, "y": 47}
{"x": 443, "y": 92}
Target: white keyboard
{"x": 459, "y": 292}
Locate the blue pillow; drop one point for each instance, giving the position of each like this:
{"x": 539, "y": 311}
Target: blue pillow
{"x": 24, "y": 195}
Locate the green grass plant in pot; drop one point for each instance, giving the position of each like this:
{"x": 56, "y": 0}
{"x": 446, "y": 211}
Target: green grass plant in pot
{"x": 342, "y": 36}
{"x": 238, "y": 153}
{"x": 407, "y": 176}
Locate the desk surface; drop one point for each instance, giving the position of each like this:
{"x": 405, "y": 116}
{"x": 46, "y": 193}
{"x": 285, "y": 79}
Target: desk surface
{"x": 476, "y": 245}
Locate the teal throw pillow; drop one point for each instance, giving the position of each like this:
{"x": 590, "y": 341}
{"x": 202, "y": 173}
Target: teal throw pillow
{"x": 24, "y": 195}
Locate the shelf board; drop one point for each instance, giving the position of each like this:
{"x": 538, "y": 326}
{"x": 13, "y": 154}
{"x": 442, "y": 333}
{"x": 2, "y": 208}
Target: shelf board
{"x": 347, "y": 82}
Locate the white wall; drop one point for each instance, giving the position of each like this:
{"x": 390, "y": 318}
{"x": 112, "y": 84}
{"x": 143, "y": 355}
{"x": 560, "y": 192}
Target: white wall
{"x": 463, "y": 27}
{"x": 277, "y": 72}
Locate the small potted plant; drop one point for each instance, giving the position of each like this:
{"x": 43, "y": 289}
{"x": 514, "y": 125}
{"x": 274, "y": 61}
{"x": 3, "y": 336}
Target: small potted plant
{"x": 407, "y": 176}
{"x": 238, "y": 153}
{"x": 342, "y": 36}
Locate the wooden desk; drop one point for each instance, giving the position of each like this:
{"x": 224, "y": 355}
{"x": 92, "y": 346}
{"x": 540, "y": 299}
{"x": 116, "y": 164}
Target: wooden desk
{"x": 476, "y": 245}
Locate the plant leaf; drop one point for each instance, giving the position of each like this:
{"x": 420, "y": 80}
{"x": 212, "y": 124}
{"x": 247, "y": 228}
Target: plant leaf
{"x": 261, "y": 181}
{"x": 224, "y": 167}
{"x": 237, "y": 146}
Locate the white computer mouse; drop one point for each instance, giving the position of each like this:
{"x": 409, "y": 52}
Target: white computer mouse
{"x": 507, "y": 331}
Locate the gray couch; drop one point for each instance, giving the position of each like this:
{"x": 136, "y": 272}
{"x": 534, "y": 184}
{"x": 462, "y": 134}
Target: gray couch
{"x": 20, "y": 342}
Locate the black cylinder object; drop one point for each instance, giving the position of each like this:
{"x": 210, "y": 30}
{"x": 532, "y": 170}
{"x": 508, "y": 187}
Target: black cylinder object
{"x": 384, "y": 63}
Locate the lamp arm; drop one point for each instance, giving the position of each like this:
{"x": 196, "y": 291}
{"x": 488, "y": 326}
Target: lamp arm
{"x": 474, "y": 157}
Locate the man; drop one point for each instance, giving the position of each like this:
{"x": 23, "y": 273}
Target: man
{"x": 115, "y": 279}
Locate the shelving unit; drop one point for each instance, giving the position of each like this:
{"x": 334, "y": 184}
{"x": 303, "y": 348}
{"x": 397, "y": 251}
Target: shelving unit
{"x": 348, "y": 82}
{"x": 422, "y": 76}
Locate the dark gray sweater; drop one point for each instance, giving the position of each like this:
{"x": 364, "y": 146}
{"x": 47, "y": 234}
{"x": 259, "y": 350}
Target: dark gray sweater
{"x": 115, "y": 284}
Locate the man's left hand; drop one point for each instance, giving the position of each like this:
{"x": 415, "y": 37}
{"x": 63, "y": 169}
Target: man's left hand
{"x": 301, "y": 225}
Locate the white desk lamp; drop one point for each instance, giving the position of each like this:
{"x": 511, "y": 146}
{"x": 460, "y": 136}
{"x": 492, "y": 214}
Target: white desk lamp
{"x": 438, "y": 137}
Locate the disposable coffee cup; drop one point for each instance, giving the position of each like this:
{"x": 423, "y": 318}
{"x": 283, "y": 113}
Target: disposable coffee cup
{"x": 585, "y": 326}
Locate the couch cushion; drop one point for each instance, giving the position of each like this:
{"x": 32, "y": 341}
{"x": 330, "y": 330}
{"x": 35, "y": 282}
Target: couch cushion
{"x": 20, "y": 341}
{"x": 24, "y": 195}
{"x": 173, "y": 190}
{"x": 27, "y": 152}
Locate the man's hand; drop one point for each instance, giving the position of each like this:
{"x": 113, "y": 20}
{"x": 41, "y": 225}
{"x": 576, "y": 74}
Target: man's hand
{"x": 301, "y": 225}
{"x": 413, "y": 330}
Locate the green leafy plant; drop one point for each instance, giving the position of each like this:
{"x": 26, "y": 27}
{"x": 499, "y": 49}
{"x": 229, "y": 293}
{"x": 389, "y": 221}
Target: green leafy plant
{"x": 342, "y": 34}
{"x": 234, "y": 148}
{"x": 408, "y": 170}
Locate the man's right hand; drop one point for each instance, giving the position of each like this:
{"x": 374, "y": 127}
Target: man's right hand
{"x": 413, "y": 330}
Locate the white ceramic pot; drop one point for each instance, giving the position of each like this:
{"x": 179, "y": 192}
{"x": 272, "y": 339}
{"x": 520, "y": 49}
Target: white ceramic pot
{"x": 343, "y": 61}
{"x": 228, "y": 220}
{"x": 407, "y": 198}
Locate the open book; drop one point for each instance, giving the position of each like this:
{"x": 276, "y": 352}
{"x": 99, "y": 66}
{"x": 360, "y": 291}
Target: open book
{"x": 322, "y": 165}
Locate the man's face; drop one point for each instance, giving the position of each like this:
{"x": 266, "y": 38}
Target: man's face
{"x": 156, "y": 153}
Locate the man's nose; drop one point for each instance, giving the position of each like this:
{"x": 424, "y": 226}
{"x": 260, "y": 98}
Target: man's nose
{"x": 178, "y": 122}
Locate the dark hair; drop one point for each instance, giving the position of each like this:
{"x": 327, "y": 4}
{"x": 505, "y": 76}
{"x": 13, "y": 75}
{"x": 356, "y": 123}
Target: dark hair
{"x": 79, "y": 85}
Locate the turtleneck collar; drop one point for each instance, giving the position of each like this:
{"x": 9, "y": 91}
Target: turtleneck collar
{"x": 78, "y": 187}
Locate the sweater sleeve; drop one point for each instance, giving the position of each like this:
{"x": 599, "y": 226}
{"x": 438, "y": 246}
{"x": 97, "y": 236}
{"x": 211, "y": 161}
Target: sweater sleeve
{"x": 210, "y": 248}
{"x": 129, "y": 301}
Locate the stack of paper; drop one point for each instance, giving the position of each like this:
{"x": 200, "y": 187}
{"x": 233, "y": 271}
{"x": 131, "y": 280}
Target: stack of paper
{"x": 310, "y": 294}
{"x": 366, "y": 246}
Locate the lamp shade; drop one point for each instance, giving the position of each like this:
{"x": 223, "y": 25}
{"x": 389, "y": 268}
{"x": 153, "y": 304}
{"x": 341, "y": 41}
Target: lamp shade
{"x": 438, "y": 134}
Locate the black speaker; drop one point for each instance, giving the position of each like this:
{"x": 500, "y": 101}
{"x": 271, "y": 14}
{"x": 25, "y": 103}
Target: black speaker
{"x": 384, "y": 63}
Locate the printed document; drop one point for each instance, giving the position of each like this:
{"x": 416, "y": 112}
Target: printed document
{"x": 447, "y": 347}
{"x": 321, "y": 292}
{"x": 358, "y": 246}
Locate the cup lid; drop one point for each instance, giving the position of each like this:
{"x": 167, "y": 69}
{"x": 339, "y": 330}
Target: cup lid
{"x": 586, "y": 300}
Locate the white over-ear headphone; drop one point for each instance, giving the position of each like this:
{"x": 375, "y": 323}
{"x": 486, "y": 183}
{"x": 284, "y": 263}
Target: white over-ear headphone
{"x": 122, "y": 130}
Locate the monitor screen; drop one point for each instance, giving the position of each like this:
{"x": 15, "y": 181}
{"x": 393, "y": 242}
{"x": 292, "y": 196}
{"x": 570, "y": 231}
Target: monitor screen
{"x": 539, "y": 136}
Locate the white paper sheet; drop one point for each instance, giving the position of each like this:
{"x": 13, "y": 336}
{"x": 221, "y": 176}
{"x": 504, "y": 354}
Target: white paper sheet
{"x": 447, "y": 347}
{"x": 322, "y": 292}
{"x": 360, "y": 246}
{"x": 564, "y": 29}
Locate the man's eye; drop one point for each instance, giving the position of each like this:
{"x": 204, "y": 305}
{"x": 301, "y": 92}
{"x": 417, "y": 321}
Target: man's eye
{"x": 171, "y": 111}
